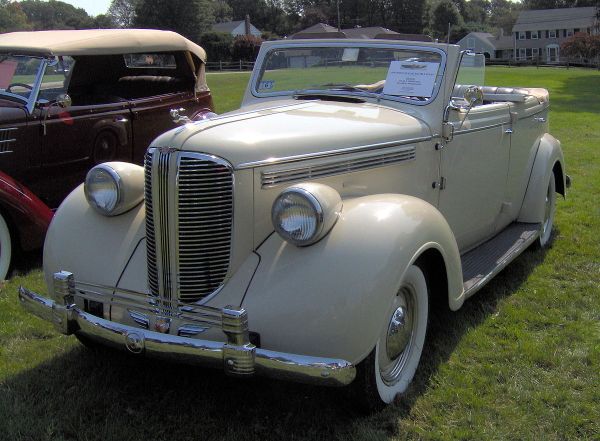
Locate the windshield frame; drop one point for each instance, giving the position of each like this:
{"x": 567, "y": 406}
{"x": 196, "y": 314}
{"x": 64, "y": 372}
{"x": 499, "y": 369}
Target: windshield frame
{"x": 299, "y": 44}
{"x": 29, "y": 102}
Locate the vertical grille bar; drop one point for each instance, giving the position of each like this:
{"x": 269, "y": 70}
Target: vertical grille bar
{"x": 150, "y": 237}
{"x": 198, "y": 204}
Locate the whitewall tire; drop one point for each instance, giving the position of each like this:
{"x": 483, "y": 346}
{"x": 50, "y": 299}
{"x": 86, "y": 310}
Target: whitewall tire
{"x": 389, "y": 369}
{"x": 549, "y": 211}
{"x": 5, "y": 248}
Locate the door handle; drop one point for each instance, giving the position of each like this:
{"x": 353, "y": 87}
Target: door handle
{"x": 120, "y": 119}
{"x": 509, "y": 131}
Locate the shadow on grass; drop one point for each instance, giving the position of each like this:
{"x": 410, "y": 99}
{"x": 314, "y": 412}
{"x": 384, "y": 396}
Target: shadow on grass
{"x": 101, "y": 394}
{"x": 577, "y": 94}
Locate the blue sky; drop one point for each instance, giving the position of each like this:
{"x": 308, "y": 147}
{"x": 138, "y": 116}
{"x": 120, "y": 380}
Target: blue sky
{"x": 92, "y": 7}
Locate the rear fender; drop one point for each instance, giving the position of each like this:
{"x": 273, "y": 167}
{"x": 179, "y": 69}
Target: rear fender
{"x": 331, "y": 298}
{"x": 549, "y": 159}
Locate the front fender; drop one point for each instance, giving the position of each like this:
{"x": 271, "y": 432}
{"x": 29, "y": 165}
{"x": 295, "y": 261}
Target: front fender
{"x": 329, "y": 299}
{"x": 27, "y": 213}
{"x": 548, "y": 155}
{"x": 91, "y": 246}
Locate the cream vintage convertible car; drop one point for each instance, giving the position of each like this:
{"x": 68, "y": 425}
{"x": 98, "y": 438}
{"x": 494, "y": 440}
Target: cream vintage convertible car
{"x": 305, "y": 235}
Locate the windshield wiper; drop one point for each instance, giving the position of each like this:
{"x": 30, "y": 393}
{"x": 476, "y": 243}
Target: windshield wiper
{"x": 342, "y": 86}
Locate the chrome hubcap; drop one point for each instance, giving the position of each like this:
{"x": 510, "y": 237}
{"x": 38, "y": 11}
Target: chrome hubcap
{"x": 399, "y": 332}
{"x": 399, "y": 337}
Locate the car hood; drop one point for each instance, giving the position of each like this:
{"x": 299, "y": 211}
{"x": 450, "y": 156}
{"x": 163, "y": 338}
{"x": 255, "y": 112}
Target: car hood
{"x": 293, "y": 129}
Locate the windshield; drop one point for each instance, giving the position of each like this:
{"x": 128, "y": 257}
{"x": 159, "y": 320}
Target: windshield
{"x": 18, "y": 74}
{"x": 394, "y": 73}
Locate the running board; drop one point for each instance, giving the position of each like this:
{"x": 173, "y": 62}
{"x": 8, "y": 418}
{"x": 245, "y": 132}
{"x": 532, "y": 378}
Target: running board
{"x": 481, "y": 264}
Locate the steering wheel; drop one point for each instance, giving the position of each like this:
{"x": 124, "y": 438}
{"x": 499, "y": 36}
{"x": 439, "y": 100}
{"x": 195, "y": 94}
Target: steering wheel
{"x": 27, "y": 86}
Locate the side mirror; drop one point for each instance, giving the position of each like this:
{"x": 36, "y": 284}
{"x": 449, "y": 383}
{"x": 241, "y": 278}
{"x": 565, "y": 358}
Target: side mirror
{"x": 63, "y": 101}
{"x": 473, "y": 95}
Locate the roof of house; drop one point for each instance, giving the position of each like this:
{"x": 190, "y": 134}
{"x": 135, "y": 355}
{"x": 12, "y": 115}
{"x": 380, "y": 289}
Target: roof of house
{"x": 504, "y": 42}
{"x": 564, "y": 18}
{"x": 96, "y": 42}
{"x": 369, "y": 32}
{"x": 321, "y": 30}
{"x": 318, "y": 28}
{"x": 227, "y": 26}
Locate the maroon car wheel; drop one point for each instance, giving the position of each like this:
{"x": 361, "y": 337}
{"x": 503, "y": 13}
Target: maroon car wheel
{"x": 105, "y": 147}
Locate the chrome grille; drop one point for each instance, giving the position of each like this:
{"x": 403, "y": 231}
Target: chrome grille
{"x": 189, "y": 203}
{"x": 205, "y": 208}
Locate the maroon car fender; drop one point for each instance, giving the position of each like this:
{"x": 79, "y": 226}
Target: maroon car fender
{"x": 26, "y": 214}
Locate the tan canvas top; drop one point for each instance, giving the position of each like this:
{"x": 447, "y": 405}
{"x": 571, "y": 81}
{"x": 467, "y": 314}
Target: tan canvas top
{"x": 96, "y": 42}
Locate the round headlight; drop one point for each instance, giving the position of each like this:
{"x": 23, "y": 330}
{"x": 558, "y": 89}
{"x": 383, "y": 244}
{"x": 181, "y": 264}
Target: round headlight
{"x": 304, "y": 213}
{"x": 103, "y": 189}
{"x": 113, "y": 188}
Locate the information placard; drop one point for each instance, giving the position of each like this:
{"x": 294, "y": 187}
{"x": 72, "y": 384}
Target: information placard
{"x": 411, "y": 78}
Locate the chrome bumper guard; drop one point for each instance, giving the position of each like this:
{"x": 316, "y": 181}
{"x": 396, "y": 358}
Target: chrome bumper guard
{"x": 237, "y": 356}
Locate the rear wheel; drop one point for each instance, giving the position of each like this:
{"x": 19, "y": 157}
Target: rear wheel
{"x": 5, "y": 248}
{"x": 389, "y": 369}
{"x": 549, "y": 210}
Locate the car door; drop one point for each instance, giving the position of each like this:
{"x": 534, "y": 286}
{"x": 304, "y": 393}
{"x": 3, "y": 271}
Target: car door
{"x": 74, "y": 138}
{"x": 151, "y": 117}
{"x": 474, "y": 169}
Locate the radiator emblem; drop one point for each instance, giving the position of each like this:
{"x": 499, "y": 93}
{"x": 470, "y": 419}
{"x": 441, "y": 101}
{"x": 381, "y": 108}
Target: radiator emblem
{"x": 162, "y": 325}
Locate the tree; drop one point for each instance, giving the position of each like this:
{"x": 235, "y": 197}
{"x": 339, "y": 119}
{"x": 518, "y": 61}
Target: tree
{"x": 122, "y": 12}
{"x": 582, "y": 46}
{"x": 55, "y": 15}
{"x": 104, "y": 21}
{"x": 190, "y": 18}
{"x": 217, "y": 45}
{"x": 12, "y": 17}
{"x": 444, "y": 14}
{"x": 245, "y": 47}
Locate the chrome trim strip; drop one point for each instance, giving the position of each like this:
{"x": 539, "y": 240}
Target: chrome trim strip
{"x": 329, "y": 153}
{"x": 479, "y": 129}
{"x": 235, "y": 356}
{"x": 544, "y": 109}
{"x": 276, "y": 177}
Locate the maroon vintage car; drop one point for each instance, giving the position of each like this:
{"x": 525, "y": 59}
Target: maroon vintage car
{"x": 72, "y": 99}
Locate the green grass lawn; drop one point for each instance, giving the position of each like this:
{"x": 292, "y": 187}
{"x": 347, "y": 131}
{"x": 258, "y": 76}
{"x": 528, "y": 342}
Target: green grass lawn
{"x": 520, "y": 360}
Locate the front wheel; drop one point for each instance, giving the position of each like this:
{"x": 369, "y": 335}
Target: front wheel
{"x": 389, "y": 369}
{"x": 5, "y": 248}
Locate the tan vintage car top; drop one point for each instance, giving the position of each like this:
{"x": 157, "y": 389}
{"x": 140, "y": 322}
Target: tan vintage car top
{"x": 96, "y": 42}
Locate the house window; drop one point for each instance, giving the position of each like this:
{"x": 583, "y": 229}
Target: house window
{"x": 552, "y": 34}
{"x": 569, "y": 32}
{"x": 521, "y": 35}
{"x": 522, "y": 53}
{"x": 534, "y": 35}
{"x": 535, "y": 52}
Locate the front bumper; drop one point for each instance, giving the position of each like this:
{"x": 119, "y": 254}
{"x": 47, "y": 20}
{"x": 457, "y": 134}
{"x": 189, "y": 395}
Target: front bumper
{"x": 237, "y": 356}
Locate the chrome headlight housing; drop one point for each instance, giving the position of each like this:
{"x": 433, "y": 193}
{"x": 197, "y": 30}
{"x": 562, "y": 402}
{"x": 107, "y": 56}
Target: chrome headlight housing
{"x": 304, "y": 213}
{"x": 113, "y": 188}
